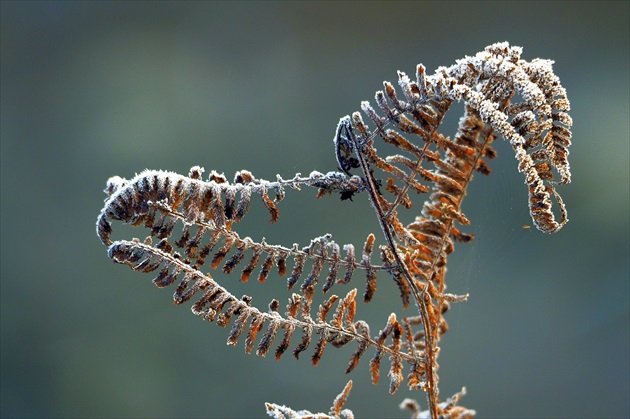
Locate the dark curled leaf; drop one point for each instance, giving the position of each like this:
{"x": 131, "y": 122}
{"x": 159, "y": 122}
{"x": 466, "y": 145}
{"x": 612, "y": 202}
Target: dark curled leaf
{"x": 344, "y": 146}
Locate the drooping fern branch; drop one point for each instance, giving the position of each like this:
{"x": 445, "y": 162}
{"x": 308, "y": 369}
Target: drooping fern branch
{"x": 505, "y": 96}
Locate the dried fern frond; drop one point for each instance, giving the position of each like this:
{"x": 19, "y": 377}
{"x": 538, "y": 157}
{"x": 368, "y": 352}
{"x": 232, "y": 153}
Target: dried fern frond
{"x": 189, "y": 222}
{"x": 135, "y": 201}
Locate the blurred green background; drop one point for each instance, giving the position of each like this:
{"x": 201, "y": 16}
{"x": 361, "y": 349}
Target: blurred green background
{"x": 96, "y": 89}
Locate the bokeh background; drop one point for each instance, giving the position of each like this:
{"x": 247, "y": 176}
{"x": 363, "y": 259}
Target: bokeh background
{"x": 96, "y": 89}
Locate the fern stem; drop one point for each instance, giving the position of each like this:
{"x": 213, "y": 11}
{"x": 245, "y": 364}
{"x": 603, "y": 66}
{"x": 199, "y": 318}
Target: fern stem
{"x": 419, "y": 295}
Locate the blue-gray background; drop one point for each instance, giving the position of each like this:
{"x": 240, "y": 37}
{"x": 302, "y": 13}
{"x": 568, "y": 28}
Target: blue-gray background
{"x": 91, "y": 90}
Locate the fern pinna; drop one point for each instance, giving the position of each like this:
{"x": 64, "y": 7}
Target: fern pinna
{"x": 190, "y": 221}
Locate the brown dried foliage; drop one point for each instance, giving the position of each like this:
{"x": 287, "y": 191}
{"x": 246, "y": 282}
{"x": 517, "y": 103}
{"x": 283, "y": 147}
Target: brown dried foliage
{"x": 505, "y": 96}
